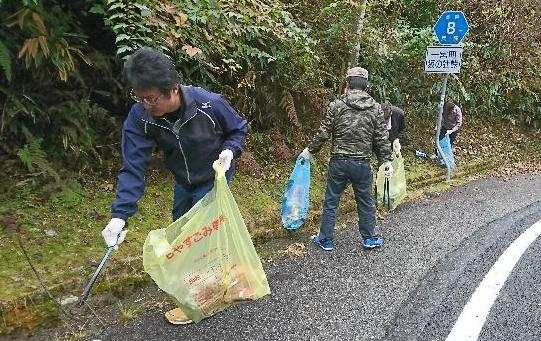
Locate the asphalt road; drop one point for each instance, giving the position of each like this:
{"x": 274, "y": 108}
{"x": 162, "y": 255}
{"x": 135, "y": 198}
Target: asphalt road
{"x": 437, "y": 251}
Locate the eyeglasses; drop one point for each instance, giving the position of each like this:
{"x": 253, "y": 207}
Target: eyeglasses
{"x": 145, "y": 100}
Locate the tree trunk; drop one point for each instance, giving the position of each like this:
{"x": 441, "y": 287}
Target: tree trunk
{"x": 358, "y": 26}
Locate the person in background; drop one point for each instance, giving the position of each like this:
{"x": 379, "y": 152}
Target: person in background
{"x": 396, "y": 124}
{"x": 192, "y": 126}
{"x": 451, "y": 121}
{"x": 357, "y": 126}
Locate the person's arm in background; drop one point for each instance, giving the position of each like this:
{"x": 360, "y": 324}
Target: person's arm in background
{"x": 401, "y": 125}
{"x": 397, "y": 132}
{"x": 458, "y": 119}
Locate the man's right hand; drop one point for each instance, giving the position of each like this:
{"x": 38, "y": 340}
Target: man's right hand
{"x": 388, "y": 169}
{"x": 306, "y": 154}
{"x": 113, "y": 233}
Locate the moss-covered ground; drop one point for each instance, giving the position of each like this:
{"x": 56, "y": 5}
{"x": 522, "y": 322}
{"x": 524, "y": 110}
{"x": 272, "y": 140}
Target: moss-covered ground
{"x": 61, "y": 234}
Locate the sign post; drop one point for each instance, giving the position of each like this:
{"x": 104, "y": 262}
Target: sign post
{"x": 446, "y": 58}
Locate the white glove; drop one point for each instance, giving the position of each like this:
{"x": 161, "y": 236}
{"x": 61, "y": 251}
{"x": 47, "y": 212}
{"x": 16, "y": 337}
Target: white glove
{"x": 448, "y": 132}
{"x": 396, "y": 146}
{"x": 388, "y": 169}
{"x": 225, "y": 158}
{"x": 306, "y": 154}
{"x": 113, "y": 233}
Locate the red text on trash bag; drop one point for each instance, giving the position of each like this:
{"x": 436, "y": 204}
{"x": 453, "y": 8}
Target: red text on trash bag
{"x": 204, "y": 232}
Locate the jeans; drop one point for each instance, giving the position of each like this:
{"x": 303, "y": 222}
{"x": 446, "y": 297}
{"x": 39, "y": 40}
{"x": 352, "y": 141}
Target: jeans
{"x": 186, "y": 196}
{"x": 342, "y": 172}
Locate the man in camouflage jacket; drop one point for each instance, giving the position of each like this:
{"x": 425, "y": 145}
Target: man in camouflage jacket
{"x": 356, "y": 125}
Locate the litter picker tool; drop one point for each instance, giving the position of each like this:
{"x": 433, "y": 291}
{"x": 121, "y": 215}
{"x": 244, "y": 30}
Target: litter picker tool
{"x": 90, "y": 284}
{"x": 386, "y": 193}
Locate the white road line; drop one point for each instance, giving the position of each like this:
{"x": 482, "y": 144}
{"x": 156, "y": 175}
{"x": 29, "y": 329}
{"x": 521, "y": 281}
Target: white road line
{"x": 470, "y": 322}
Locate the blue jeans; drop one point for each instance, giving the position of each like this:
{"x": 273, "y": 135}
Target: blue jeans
{"x": 186, "y": 196}
{"x": 342, "y": 172}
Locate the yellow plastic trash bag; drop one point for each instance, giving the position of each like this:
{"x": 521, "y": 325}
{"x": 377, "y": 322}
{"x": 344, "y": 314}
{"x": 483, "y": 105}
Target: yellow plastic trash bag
{"x": 397, "y": 184}
{"x": 206, "y": 259}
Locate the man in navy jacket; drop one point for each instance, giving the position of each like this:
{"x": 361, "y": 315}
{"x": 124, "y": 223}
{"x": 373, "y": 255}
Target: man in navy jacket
{"x": 190, "y": 125}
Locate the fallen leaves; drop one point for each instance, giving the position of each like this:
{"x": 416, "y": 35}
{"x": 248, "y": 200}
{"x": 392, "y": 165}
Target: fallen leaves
{"x": 297, "y": 249}
{"x": 191, "y": 51}
{"x": 518, "y": 168}
{"x": 70, "y": 299}
{"x": 181, "y": 20}
{"x": 108, "y": 186}
{"x": 10, "y": 225}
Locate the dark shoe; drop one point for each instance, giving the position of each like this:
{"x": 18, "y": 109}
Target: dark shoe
{"x": 326, "y": 245}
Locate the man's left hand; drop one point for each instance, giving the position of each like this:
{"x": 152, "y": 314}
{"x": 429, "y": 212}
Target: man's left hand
{"x": 448, "y": 132}
{"x": 396, "y": 146}
{"x": 225, "y": 158}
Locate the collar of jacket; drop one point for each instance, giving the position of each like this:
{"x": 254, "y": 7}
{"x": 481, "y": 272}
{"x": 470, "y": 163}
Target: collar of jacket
{"x": 189, "y": 102}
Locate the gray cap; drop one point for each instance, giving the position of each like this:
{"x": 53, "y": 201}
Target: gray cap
{"x": 357, "y": 72}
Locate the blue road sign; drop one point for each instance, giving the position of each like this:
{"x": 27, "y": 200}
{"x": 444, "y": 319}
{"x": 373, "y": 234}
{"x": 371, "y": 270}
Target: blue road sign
{"x": 451, "y": 27}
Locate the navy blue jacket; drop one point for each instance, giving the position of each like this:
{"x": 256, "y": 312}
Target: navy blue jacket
{"x": 190, "y": 145}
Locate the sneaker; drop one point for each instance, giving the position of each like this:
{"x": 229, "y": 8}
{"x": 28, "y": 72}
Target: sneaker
{"x": 177, "y": 316}
{"x": 326, "y": 245}
{"x": 372, "y": 242}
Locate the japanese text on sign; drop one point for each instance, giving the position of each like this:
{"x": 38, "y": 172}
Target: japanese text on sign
{"x": 204, "y": 232}
{"x": 443, "y": 59}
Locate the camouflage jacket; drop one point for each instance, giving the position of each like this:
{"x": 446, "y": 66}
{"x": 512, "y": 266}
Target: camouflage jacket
{"x": 357, "y": 126}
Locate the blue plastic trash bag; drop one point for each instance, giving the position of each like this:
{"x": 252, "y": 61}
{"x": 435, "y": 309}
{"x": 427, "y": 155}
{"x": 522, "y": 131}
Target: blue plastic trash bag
{"x": 296, "y": 198}
{"x": 445, "y": 144}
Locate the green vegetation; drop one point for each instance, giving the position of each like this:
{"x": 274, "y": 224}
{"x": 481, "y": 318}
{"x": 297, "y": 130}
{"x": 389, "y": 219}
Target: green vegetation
{"x": 128, "y": 313}
{"x": 62, "y": 103}
{"x": 66, "y": 257}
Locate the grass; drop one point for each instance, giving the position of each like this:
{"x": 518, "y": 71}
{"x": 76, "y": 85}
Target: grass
{"x": 61, "y": 234}
{"x": 77, "y": 335}
{"x": 128, "y": 313}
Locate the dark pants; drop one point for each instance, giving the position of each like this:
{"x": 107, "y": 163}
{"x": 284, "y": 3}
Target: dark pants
{"x": 342, "y": 172}
{"x": 452, "y": 136}
{"x": 186, "y": 196}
